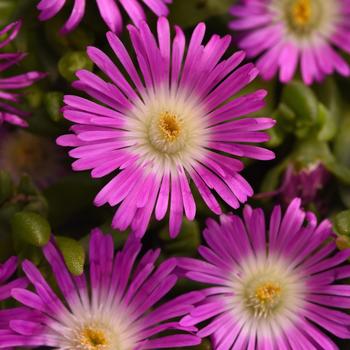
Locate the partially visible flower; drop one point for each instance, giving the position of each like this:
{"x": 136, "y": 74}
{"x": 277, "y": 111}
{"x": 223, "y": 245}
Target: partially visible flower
{"x": 175, "y": 123}
{"x": 109, "y": 11}
{"x": 285, "y": 33}
{"x": 7, "y": 270}
{"x": 113, "y": 307}
{"x": 22, "y": 152}
{"x": 305, "y": 183}
{"x": 273, "y": 287}
{"x": 308, "y": 183}
{"x": 8, "y": 112}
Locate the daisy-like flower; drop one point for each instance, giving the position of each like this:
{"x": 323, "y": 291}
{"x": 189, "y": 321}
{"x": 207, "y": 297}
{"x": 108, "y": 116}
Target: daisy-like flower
{"x": 273, "y": 288}
{"x": 8, "y": 112}
{"x": 174, "y": 124}
{"x": 114, "y": 307}
{"x": 109, "y": 11}
{"x": 286, "y": 32}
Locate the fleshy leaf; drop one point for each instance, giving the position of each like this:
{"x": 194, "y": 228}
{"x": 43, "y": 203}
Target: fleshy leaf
{"x": 31, "y": 228}
{"x": 73, "y": 254}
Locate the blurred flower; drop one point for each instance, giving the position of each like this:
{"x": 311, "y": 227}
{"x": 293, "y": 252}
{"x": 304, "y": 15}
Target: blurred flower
{"x": 22, "y": 152}
{"x": 304, "y": 183}
{"x": 272, "y": 287}
{"x": 9, "y": 113}
{"x": 179, "y": 125}
{"x": 6, "y": 271}
{"x": 285, "y": 32}
{"x": 307, "y": 183}
{"x": 109, "y": 11}
{"x": 117, "y": 311}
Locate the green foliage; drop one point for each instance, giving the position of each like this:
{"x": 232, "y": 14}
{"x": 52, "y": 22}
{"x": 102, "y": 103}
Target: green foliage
{"x": 73, "y": 61}
{"x": 342, "y": 222}
{"x": 6, "y": 186}
{"x": 185, "y": 243}
{"x": 53, "y": 104}
{"x": 73, "y": 254}
{"x": 31, "y": 228}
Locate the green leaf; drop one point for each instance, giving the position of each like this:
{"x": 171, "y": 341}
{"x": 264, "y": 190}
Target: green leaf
{"x": 276, "y": 137}
{"x": 301, "y": 100}
{"x": 26, "y": 186}
{"x": 6, "y": 186}
{"x": 327, "y": 124}
{"x": 31, "y": 228}
{"x": 73, "y": 254}
{"x": 73, "y": 61}
{"x": 311, "y": 151}
{"x": 53, "y": 104}
{"x": 342, "y": 142}
{"x": 338, "y": 170}
{"x": 186, "y": 242}
{"x": 342, "y": 223}
{"x": 33, "y": 96}
{"x": 34, "y": 254}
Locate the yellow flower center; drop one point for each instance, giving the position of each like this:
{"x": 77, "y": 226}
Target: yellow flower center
{"x": 264, "y": 298}
{"x": 93, "y": 339}
{"x": 268, "y": 292}
{"x": 301, "y": 12}
{"x": 169, "y": 126}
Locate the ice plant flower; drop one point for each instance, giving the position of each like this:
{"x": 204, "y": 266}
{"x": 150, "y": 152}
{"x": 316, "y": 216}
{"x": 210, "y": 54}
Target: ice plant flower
{"x": 109, "y": 11}
{"x": 273, "y": 288}
{"x": 174, "y": 124}
{"x": 114, "y": 306}
{"x": 8, "y": 112}
{"x": 304, "y": 183}
{"x": 7, "y": 270}
{"x": 285, "y": 33}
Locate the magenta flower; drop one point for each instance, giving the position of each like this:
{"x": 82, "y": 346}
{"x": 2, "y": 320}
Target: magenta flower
{"x": 273, "y": 288}
{"x": 174, "y": 124}
{"x": 9, "y": 113}
{"x": 304, "y": 183}
{"x": 115, "y": 306}
{"x": 109, "y": 11}
{"x": 7, "y": 270}
{"x": 285, "y": 33}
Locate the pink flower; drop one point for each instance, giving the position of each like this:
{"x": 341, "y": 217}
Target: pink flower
{"x": 285, "y": 34}
{"x": 7, "y": 270}
{"x": 115, "y": 305}
{"x": 109, "y": 11}
{"x": 176, "y": 122}
{"x": 272, "y": 286}
{"x": 9, "y": 113}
